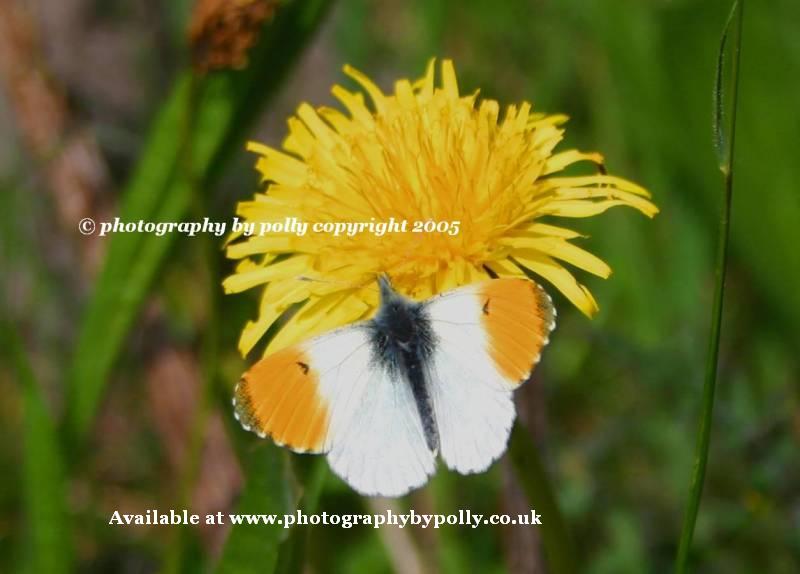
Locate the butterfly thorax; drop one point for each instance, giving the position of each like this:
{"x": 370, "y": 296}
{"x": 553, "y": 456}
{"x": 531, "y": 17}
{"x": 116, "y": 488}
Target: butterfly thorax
{"x": 403, "y": 343}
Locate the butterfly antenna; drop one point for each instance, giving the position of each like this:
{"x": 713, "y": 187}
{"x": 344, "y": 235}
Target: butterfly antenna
{"x": 385, "y": 287}
{"x": 344, "y": 284}
{"x": 309, "y": 279}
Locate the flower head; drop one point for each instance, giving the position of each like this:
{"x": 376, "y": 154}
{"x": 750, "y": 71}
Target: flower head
{"x": 424, "y": 152}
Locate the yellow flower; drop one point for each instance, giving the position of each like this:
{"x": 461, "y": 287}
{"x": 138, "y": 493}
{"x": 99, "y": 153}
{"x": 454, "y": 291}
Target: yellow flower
{"x": 423, "y": 153}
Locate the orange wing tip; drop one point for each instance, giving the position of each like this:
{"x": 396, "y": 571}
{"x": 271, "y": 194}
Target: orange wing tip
{"x": 279, "y": 397}
{"x": 243, "y": 411}
{"x": 550, "y": 314}
{"x": 550, "y": 310}
{"x": 518, "y": 316}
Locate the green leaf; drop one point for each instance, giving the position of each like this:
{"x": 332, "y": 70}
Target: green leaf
{"x": 558, "y": 546}
{"x": 254, "y": 548}
{"x": 47, "y": 546}
{"x": 726, "y": 88}
{"x": 199, "y": 127}
{"x": 130, "y": 263}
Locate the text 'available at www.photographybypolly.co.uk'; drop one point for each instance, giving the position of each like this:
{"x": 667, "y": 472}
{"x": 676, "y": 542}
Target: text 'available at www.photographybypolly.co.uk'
{"x": 464, "y": 517}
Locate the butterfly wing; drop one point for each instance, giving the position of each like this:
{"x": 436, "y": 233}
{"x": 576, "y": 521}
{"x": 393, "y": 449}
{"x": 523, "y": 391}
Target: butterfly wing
{"x": 329, "y": 395}
{"x": 489, "y": 337}
{"x": 383, "y": 449}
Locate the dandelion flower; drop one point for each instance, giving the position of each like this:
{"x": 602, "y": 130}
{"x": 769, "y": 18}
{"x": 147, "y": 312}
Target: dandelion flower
{"x": 425, "y": 152}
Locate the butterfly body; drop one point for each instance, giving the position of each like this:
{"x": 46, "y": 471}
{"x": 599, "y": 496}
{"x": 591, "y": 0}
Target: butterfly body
{"x": 383, "y": 398}
{"x": 403, "y": 342}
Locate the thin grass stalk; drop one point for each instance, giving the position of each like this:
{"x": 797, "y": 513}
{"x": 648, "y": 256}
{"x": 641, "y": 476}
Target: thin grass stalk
{"x": 311, "y": 474}
{"x": 725, "y": 151}
{"x": 559, "y": 549}
{"x": 175, "y": 560}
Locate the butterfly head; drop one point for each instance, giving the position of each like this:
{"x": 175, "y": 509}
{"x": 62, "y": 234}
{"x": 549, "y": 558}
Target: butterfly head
{"x": 399, "y": 318}
{"x": 386, "y": 290}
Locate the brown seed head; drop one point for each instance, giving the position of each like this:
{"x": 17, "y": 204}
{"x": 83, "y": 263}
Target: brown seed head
{"x": 221, "y": 32}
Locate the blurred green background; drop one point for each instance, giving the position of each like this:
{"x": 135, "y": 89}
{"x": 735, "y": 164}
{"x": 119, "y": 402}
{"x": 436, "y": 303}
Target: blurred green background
{"x": 119, "y": 356}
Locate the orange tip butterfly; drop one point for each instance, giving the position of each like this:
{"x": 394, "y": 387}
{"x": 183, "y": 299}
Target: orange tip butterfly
{"x": 383, "y": 398}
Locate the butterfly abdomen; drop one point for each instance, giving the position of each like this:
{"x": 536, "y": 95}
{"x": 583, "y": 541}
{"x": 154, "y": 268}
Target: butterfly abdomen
{"x": 416, "y": 377}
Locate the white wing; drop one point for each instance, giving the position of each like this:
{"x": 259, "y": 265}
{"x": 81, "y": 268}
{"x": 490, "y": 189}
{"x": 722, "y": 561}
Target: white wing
{"x": 375, "y": 442}
{"x": 488, "y": 338}
{"x": 326, "y": 395}
{"x": 382, "y": 451}
{"x": 474, "y": 410}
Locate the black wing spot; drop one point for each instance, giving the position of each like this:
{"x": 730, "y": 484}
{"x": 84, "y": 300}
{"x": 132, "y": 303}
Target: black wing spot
{"x": 486, "y": 307}
{"x": 303, "y": 366}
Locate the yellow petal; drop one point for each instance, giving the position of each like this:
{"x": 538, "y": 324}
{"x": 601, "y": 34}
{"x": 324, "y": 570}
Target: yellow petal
{"x": 449, "y": 82}
{"x": 505, "y": 268}
{"x": 374, "y": 91}
{"x": 594, "y": 181}
{"x": 354, "y": 103}
{"x": 562, "y": 280}
{"x": 283, "y": 168}
{"x": 445, "y": 280}
{"x": 563, "y": 250}
{"x": 405, "y": 94}
{"x": 539, "y": 121}
{"x": 299, "y": 140}
{"x": 538, "y": 229}
{"x": 579, "y": 208}
{"x": 593, "y": 193}
{"x": 561, "y": 160}
{"x": 426, "y": 83}
{"x": 261, "y": 244}
{"x": 275, "y": 300}
{"x": 318, "y": 316}
{"x": 339, "y": 121}
{"x": 257, "y": 147}
{"x": 321, "y": 131}
{"x": 291, "y": 268}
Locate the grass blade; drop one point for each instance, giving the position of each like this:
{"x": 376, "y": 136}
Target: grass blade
{"x": 558, "y": 547}
{"x": 130, "y": 263}
{"x": 727, "y": 82}
{"x": 254, "y": 548}
{"x": 725, "y": 105}
{"x": 47, "y": 542}
{"x": 204, "y": 121}
{"x": 311, "y": 472}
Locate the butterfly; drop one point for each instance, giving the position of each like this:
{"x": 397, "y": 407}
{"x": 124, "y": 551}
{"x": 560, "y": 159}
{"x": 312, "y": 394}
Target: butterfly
{"x": 383, "y": 398}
